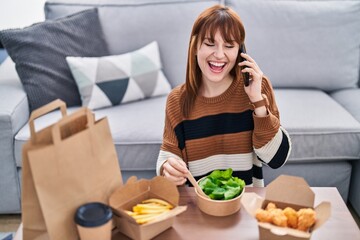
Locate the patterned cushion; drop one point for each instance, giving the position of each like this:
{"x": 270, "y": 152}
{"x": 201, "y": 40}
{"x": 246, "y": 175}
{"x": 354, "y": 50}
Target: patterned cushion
{"x": 113, "y": 80}
{"x": 39, "y": 52}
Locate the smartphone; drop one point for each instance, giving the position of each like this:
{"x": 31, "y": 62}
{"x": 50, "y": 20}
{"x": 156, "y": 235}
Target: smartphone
{"x": 246, "y": 75}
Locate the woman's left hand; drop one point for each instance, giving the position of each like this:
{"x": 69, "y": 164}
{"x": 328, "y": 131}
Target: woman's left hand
{"x": 254, "y": 89}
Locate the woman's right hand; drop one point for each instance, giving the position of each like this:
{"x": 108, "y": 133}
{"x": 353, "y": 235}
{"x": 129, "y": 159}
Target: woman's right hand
{"x": 175, "y": 170}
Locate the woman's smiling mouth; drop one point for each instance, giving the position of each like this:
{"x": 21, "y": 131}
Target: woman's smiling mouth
{"x": 216, "y": 67}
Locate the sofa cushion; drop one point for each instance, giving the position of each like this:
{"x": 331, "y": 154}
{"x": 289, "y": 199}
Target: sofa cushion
{"x": 136, "y": 128}
{"x": 113, "y": 80}
{"x": 310, "y": 44}
{"x": 317, "y": 174}
{"x": 319, "y": 127}
{"x": 350, "y": 100}
{"x": 145, "y": 24}
{"x": 39, "y": 53}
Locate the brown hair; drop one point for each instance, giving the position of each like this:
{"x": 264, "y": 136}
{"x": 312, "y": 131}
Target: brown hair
{"x": 213, "y": 19}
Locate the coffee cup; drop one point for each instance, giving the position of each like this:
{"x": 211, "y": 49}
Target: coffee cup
{"x": 94, "y": 221}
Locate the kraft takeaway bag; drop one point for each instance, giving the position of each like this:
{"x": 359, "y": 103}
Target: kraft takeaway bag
{"x": 65, "y": 165}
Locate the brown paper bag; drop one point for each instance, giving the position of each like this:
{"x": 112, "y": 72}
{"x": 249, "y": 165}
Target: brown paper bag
{"x": 65, "y": 165}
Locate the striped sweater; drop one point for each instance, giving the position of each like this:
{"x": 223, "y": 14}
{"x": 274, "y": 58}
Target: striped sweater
{"x": 223, "y": 132}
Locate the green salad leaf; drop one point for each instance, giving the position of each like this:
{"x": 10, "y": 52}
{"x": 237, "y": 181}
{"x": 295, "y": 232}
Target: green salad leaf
{"x": 221, "y": 185}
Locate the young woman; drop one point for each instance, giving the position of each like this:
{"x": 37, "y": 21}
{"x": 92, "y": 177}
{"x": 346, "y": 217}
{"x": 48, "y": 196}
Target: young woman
{"x": 214, "y": 121}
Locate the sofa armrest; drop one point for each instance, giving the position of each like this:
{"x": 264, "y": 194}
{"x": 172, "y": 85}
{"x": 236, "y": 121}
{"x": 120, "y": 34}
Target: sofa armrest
{"x": 14, "y": 110}
{"x": 14, "y": 113}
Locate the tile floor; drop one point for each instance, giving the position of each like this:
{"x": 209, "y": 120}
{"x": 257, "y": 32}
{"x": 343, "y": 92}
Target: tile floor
{"x": 9, "y": 223}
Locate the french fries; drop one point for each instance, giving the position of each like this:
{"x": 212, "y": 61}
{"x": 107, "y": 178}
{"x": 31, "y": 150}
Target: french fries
{"x": 149, "y": 210}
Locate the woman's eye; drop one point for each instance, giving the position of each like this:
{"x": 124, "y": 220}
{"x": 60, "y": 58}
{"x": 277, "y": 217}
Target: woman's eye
{"x": 209, "y": 44}
{"x": 229, "y": 46}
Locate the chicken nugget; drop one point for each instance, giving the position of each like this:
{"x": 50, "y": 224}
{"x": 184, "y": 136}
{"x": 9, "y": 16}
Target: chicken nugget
{"x": 263, "y": 216}
{"x": 270, "y": 206}
{"x": 278, "y": 217}
{"x": 292, "y": 218}
{"x": 306, "y": 218}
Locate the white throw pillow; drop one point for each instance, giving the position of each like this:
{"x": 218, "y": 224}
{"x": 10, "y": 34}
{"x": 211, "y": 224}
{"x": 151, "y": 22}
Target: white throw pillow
{"x": 113, "y": 80}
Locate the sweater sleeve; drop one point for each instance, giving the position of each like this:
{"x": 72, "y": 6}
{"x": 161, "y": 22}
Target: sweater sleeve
{"x": 169, "y": 147}
{"x": 271, "y": 141}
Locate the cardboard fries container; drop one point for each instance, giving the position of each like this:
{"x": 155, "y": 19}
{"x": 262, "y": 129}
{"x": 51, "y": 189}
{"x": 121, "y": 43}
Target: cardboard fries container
{"x": 135, "y": 191}
{"x": 286, "y": 191}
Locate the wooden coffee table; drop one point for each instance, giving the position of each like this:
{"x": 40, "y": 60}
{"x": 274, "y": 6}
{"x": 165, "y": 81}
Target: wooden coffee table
{"x": 193, "y": 224}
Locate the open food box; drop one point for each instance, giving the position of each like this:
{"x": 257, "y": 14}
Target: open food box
{"x": 286, "y": 191}
{"x": 134, "y": 192}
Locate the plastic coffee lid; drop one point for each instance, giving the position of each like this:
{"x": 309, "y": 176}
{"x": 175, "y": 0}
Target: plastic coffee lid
{"x": 93, "y": 214}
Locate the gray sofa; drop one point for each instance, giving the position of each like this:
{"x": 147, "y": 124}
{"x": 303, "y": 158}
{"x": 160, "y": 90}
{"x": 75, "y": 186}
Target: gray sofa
{"x": 310, "y": 50}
